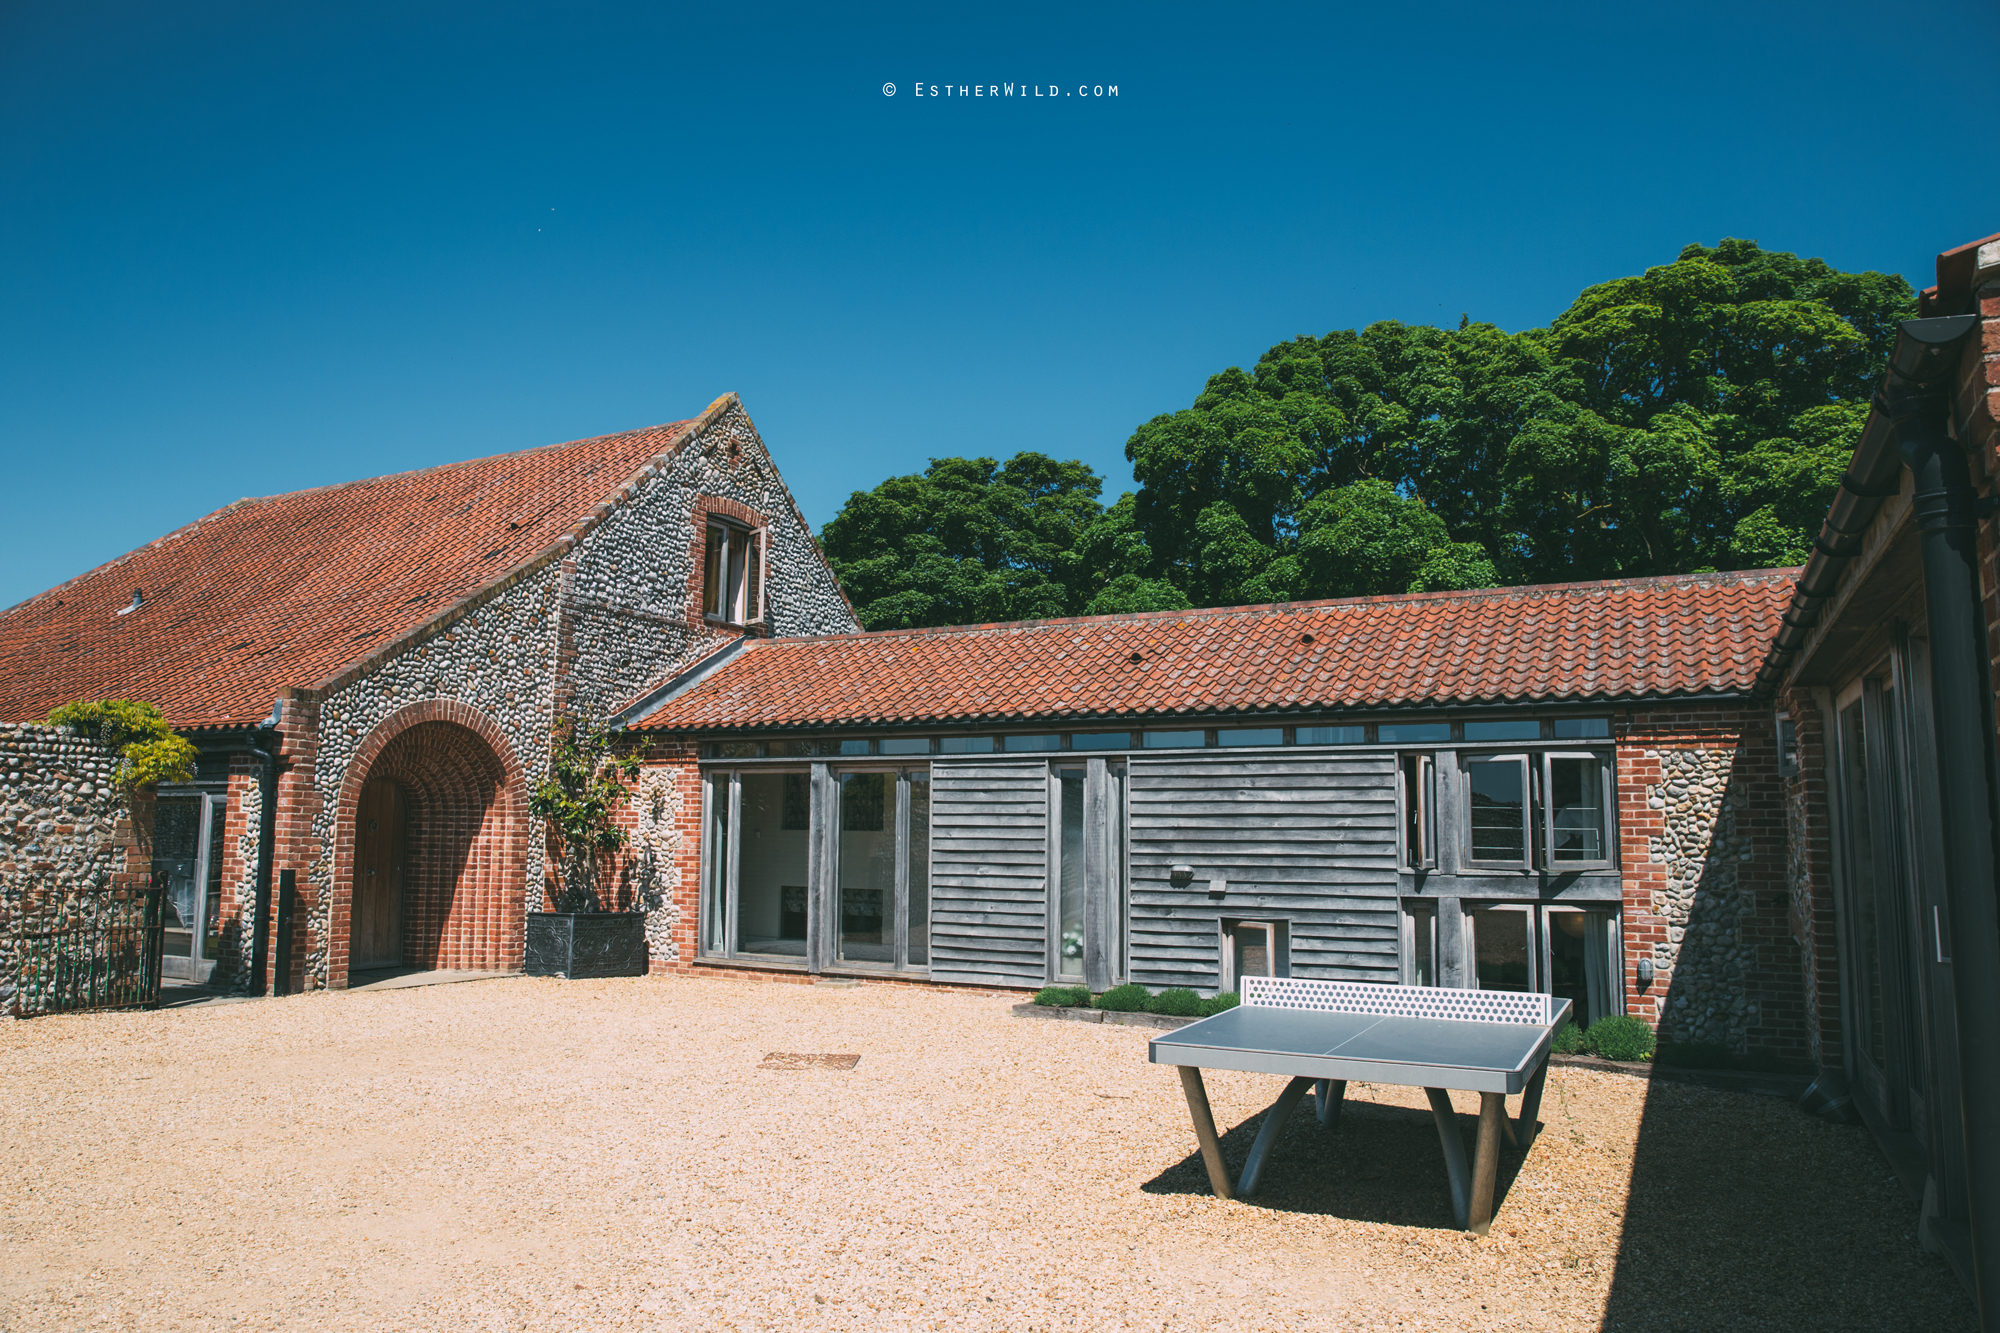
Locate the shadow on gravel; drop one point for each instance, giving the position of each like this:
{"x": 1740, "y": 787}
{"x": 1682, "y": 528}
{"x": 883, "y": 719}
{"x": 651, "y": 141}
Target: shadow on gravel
{"x": 1746, "y": 1213}
{"x": 1382, "y": 1164}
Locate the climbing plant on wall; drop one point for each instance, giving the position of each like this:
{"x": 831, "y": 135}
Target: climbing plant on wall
{"x": 153, "y": 751}
{"x": 579, "y": 798}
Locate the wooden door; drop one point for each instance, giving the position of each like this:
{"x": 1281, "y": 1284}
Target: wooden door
{"x": 377, "y": 935}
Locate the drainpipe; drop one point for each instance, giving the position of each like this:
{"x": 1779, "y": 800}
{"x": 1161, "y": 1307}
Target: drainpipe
{"x": 1945, "y": 509}
{"x": 267, "y": 839}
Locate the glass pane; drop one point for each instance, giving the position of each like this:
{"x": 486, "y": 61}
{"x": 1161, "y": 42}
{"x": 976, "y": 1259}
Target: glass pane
{"x": 711, "y": 601}
{"x": 771, "y": 879}
{"x": 920, "y": 869}
{"x": 1861, "y": 876}
{"x": 1423, "y": 945}
{"x": 1033, "y": 742}
{"x": 1576, "y": 809}
{"x": 1175, "y": 740}
{"x": 1499, "y": 810}
{"x": 1251, "y": 736}
{"x": 733, "y": 750}
{"x": 1414, "y": 733}
{"x": 733, "y": 590}
{"x": 716, "y": 862}
{"x": 792, "y": 749}
{"x": 1070, "y": 963}
{"x": 1517, "y": 729}
{"x": 753, "y": 587}
{"x": 1419, "y": 778}
{"x": 1332, "y": 735}
{"x": 1101, "y": 740}
{"x": 1582, "y": 728}
{"x": 1570, "y": 939}
{"x": 905, "y": 745}
{"x": 176, "y": 840}
{"x": 211, "y": 909}
{"x": 1500, "y": 948}
{"x": 856, "y": 747}
{"x": 1251, "y": 946}
{"x": 967, "y": 745}
{"x": 867, "y": 877}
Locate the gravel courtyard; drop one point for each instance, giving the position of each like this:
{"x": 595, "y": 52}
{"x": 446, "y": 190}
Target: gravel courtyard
{"x": 527, "y": 1154}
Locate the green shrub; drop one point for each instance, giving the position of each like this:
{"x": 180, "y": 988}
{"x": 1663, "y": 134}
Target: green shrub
{"x": 1215, "y": 1004}
{"x": 153, "y": 751}
{"x": 1175, "y": 1002}
{"x": 1063, "y": 997}
{"x": 1569, "y": 1041}
{"x": 1620, "y": 1037}
{"x": 1129, "y": 998}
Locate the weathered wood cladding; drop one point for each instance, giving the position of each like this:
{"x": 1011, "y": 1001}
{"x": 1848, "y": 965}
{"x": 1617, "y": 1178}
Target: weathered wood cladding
{"x": 1306, "y": 838}
{"x": 989, "y": 872}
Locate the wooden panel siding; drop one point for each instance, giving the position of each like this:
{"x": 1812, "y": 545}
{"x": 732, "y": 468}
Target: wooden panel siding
{"x": 1304, "y": 838}
{"x": 989, "y": 872}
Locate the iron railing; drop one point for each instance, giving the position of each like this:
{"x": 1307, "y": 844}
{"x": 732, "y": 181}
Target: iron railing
{"x": 105, "y": 957}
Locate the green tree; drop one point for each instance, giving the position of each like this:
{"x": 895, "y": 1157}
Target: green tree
{"x": 971, "y": 540}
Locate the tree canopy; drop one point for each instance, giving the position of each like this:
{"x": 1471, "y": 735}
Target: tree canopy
{"x": 1697, "y": 416}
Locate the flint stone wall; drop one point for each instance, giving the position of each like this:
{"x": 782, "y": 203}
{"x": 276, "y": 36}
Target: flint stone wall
{"x": 69, "y": 837}
{"x": 617, "y": 616}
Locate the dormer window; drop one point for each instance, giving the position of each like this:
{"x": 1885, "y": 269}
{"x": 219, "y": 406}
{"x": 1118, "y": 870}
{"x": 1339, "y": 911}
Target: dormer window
{"x": 732, "y": 577}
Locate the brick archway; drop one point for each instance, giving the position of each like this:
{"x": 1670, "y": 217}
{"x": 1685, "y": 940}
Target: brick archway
{"x": 467, "y": 839}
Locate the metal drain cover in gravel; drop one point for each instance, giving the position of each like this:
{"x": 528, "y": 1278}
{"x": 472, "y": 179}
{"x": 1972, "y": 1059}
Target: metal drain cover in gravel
{"x": 794, "y": 1060}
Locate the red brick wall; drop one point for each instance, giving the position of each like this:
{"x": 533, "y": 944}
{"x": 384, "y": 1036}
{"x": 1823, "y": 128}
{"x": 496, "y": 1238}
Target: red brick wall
{"x": 464, "y": 899}
{"x": 295, "y": 845}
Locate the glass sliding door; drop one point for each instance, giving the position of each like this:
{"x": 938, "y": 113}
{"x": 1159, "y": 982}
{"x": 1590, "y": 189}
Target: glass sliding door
{"x": 1069, "y": 878}
{"x": 187, "y": 854}
{"x": 718, "y": 869}
{"x": 1581, "y": 961}
{"x": 774, "y": 849}
{"x": 866, "y": 886}
{"x": 917, "y": 868}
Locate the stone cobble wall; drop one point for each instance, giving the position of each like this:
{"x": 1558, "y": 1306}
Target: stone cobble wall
{"x": 619, "y": 614}
{"x": 70, "y": 838}
{"x": 1702, "y": 826}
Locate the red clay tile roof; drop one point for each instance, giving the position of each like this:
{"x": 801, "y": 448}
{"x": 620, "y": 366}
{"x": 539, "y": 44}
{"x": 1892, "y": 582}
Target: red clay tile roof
{"x": 1628, "y": 639}
{"x": 287, "y": 591}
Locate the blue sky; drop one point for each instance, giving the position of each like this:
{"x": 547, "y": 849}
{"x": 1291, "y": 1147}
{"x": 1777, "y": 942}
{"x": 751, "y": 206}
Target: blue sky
{"x": 248, "y": 248}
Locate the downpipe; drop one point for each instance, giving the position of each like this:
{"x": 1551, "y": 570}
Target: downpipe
{"x": 1945, "y": 511}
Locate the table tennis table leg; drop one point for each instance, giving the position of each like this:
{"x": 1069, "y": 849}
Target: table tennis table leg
{"x": 1531, "y": 1105}
{"x": 1267, "y": 1133}
{"x": 1204, "y": 1131}
{"x": 1328, "y": 1094}
{"x": 1453, "y": 1144}
{"x": 1486, "y": 1161}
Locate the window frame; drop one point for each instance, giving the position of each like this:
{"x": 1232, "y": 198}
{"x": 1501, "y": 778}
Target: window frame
{"x": 741, "y": 598}
{"x": 1607, "y": 793}
{"x": 1424, "y": 818}
{"x": 1525, "y": 760}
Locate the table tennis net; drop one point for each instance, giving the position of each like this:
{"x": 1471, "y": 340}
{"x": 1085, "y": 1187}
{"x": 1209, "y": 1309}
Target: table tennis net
{"x": 1353, "y": 997}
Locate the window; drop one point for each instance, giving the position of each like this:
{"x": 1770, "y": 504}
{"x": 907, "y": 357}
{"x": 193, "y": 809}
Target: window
{"x": 905, "y": 745}
{"x": 1497, "y": 810}
{"x": 1175, "y": 740}
{"x": 1332, "y": 735}
{"x": 1788, "y": 747}
{"x": 1512, "y": 729}
{"x": 1018, "y": 744}
{"x": 1414, "y": 733}
{"x": 1087, "y": 889}
{"x": 1251, "y": 736}
{"x": 1417, "y": 776}
{"x": 1582, "y": 728}
{"x": 966, "y": 745}
{"x": 760, "y": 897}
{"x": 1254, "y": 949}
{"x": 1101, "y": 740}
{"x": 1570, "y": 952}
{"x": 1420, "y": 943}
{"x": 1578, "y": 790}
{"x": 732, "y": 576}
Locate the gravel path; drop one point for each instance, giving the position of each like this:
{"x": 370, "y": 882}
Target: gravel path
{"x": 527, "y": 1154}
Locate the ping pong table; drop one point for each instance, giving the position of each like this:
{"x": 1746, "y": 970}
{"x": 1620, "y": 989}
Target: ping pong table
{"x": 1325, "y": 1033}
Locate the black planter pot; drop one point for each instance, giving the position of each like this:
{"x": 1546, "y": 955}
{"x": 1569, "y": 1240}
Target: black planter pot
{"x": 586, "y": 944}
